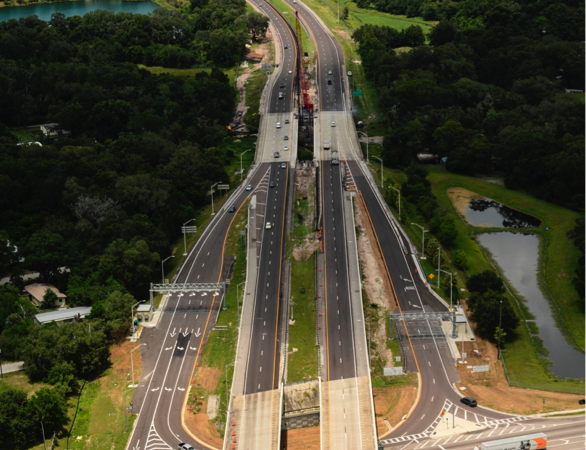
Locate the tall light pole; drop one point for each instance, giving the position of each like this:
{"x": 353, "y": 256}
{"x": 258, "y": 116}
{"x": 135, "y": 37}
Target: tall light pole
{"x": 381, "y": 170}
{"x": 238, "y": 300}
{"x": 500, "y": 323}
{"x": 241, "y": 162}
{"x": 212, "y": 194}
{"x": 439, "y": 256}
{"x": 423, "y": 231}
{"x": 367, "y": 160}
{"x": 132, "y": 365}
{"x": 451, "y": 283}
{"x": 184, "y": 238}
{"x": 132, "y": 313}
{"x": 163, "y": 267}
{"x": 399, "y": 192}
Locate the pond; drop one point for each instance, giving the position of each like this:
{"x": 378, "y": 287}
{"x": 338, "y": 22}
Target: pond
{"x": 517, "y": 255}
{"x": 44, "y": 10}
{"x": 481, "y": 211}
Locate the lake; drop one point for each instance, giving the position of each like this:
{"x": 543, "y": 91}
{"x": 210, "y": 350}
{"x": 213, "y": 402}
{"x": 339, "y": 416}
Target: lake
{"x": 517, "y": 255}
{"x": 44, "y": 10}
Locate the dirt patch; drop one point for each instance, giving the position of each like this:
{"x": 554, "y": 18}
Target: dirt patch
{"x": 304, "y": 249}
{"x": 372, "y": 139}
{"x": 264, "y": 49}
{"x": 122, "y": 368}
{"x": 196, "y": 419}
{"x": 391, "y": 404}
{"x": 302, "y": 438}
{"x": 344, "y": 34}
{"x": 461, "y": 198}
{"x": 492, "y": 390}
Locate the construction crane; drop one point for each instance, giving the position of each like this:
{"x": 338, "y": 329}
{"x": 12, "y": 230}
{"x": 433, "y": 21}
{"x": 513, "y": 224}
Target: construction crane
{"x": 307, "y": 105}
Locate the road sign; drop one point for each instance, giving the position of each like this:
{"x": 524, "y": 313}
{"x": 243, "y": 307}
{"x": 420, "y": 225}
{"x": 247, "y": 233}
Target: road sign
{"x": 392, "y": 371}
{"x": 224, "y": 187}
{"x": 476, "y": 369}
{"x": 189, "y": 229}
{"x": 398, "y": 358}
{"x": 357, "y": 93}
{"x": 431, "y": 275}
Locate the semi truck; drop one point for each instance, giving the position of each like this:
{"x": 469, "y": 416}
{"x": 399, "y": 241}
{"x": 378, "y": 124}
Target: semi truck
{"x": 535, "y": 441}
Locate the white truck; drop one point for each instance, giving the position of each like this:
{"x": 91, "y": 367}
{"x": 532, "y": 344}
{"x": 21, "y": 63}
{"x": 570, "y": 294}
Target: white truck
{"x": 335, "y": 158}
{"x": 535, "y": 441}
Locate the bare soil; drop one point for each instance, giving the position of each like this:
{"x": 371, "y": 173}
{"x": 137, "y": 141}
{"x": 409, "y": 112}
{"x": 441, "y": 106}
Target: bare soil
{"x": 301, "y": 439}
{"x": 344, "y": 34}
{"x": 492, "y": 390}
{"x": 461, "y": 198}
{"x": 391, "y": 404}
{"x": 372, "y": 139}
{"x": 206, "y": 378}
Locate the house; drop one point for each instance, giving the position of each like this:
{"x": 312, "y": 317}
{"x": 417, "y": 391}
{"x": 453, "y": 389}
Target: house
{"x": 52, "y": 129}
{"x": 64, "y": 315}
{"x": 37, "y": 292}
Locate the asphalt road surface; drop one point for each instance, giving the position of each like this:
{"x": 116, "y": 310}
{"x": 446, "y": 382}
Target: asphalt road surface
{"x": 173, "y": 347}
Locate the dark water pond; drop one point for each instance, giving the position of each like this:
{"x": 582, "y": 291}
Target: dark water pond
{"x": 485, "y": 212}
{"x": 517, "y": 255}
{"x": 44, "y": 10}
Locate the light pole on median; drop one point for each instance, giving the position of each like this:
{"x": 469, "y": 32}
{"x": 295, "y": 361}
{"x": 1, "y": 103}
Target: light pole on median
{"x": 241, "y": 162}
{"x": 367, "y": 160}
{"x": 212, "y": 194}
{"x": 451, "y": 283}
{"x": 423, "y": 231}
{"x": 132, "y": 365}
{"x": 184, "y": 238}
{"x": 163, "y": 267}
{"x": 132, "y": 313}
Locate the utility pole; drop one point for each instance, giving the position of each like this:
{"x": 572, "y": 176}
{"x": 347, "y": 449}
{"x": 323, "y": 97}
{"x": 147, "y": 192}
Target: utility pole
{"x": 439, "y": 255}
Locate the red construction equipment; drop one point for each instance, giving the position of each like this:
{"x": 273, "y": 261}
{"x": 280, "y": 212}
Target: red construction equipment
{"x": 307, "y": 105}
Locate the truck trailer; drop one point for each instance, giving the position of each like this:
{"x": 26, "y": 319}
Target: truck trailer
{"x": 535, "y": 441}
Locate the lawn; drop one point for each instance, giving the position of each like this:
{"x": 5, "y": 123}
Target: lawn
{"x": 22, "y": 135}
{"x": 19, "y": 380}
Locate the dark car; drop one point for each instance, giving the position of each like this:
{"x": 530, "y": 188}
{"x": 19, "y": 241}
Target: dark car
{"x": 468, "y": 401}
{"x": 282, "y": 86}
{"x": 286, "y": 46}
{"x": 272, "y": 184}
{"x": 286, "y": 138}
{"x": 232, "y": 209}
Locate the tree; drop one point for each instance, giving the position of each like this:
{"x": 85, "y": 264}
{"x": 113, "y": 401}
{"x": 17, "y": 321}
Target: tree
{"x": 460, "y": 259}
{"x": 48, "y": 407}
{"x": 257, "y": 25}
{"x": 485, "y": 281}
{"x": 49, "y": 299}
{"x": 442, "y": 33}
{"x": 45, "y": 252}
{"x": 486, "y": 312}
{"x": 16, "y": 422}
{"x": 345, "y": 13}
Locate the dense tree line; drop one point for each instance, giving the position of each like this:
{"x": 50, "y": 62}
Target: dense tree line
{"x": 489, "y": 96}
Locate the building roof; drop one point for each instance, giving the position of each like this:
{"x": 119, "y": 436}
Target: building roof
{"x": 37, "y": 290}
{"x": 63, "y": 314}
{"x": 144, "y": 308}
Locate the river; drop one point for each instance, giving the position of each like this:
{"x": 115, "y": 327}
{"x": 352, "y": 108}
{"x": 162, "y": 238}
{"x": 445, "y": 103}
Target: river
{"x": 44, "y": 10}
{"x": 517, "y": 255}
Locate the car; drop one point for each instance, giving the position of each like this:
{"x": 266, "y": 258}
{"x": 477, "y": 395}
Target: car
{"x": 468, "y": 401}
{"x": 232, "y": 209}
{"x": 249, "y": 187}
{"x": 276, "y": 154}
{"x": 283, "y": 165}
{"x": 268, "y": 225}
{"x": 183, "y": 446}
{"x": 329, "y": 82}
{"x": 282, "y": 85}
{"x": 286, "y": 138}
{"x": 281, "y": 97}
{"x": 290, "y": 71}
{"x": 286, "y": 46}
{"x": 285, "y": 148}
{"x": 329, "y": 72}
{"x": 278, "y": 124}
{"x": 272, "y": 184}
{"x": 333, "y": 124}
{"x": 286, "y": 121}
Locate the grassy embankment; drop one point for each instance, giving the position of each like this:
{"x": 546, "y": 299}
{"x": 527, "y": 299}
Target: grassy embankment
{"x": 526, "y": 366}
{"x": 302, "y": 363}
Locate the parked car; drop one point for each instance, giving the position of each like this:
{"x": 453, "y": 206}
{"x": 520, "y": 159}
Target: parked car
{"x": 469, "y": 401}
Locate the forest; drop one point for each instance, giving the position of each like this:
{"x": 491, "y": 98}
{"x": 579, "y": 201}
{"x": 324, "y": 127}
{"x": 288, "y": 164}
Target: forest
{"x": 489, "y": 97}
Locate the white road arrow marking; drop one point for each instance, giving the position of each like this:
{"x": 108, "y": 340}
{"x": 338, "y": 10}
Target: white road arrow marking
{"x": 154, "y": 390}
{"x": 198, "y": 334}
{"x": 168, "y": 348}
{"x": 173, "y": 333}
{"x": 181, "y": 389}
{"x": 185, "y": 333}
{"x": 180, "y": 348}
{"x": 192, "y": 348}
{"x": 416, "y": 306}
{"x": 168, "y": 389}
{"x": 137, "y": 446}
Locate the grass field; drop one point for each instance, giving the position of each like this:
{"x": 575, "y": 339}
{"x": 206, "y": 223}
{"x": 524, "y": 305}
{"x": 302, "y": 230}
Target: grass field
{"x": 185, "y": 73}
{"x": 22, "y": 135}
{"x": 18, "y": 380}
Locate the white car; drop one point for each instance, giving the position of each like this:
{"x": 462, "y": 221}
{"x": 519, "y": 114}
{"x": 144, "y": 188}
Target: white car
{"x": 290, "y": 71}
{"x": 278, "y": 124}
{"x": 268, "y": 226}
{"x": 285, "y": 148}
{"x": 249, "y": 187}
{"x": 333, "y": 124}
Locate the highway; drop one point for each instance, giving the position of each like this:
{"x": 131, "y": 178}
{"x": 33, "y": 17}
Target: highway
{"x": 173, "y": 347}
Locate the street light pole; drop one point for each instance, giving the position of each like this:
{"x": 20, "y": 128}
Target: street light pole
{"x": 132, "y": 365}
{"x": 163, "y": 267}
{"x": 132, "y": 314}
{"x": 439, "y": 256}
{"x": 241, "y": 162}
{"x": 381, "y": 170}
{"x": 423, "y": 231}
{"x": 184, "y": 238}
{"x": 451, "y": 283}
{"x": 367, "y": 160}
{"x": 212, "y": 194}
{"x": 238, "y": 300}
{"x": 399, "y": 192}
{"x": 500, "y": 323}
